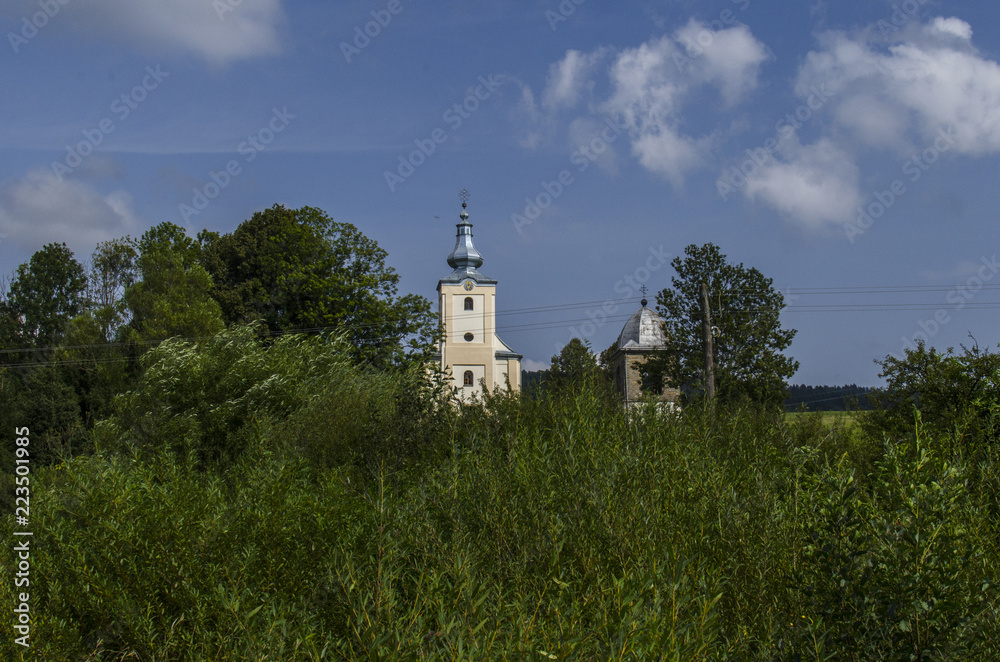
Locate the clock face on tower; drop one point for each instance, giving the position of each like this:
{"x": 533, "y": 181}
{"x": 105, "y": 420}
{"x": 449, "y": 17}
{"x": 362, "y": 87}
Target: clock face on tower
{"x": 468, "y": 285}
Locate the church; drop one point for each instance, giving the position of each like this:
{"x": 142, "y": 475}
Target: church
{"x": 471, "y": 353}
{"x": 473, "y": 356}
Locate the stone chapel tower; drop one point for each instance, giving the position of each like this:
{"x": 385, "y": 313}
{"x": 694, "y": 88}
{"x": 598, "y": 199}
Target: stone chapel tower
{"x": 471, "y": 353}
{"x": 641, "y": 337}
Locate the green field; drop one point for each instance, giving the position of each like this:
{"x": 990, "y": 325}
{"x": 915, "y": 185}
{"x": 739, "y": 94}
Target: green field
{"x": 830, "y": 419}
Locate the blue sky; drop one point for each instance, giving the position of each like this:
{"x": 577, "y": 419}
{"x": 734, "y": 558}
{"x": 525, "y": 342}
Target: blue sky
{"x": 848, "y": 150}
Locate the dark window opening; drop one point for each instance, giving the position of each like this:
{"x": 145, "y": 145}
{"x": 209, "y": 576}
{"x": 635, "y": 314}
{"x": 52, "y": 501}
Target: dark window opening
{"x": 467, "y": 379}
{"x": 469, "y": 304}
{"x": 469, "y": 337}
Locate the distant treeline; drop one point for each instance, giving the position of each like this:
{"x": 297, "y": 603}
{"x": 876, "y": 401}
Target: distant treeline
{"x": 828, "y": 398}
{"x": 532, "y": 379}
{"x": 813, "y": 398}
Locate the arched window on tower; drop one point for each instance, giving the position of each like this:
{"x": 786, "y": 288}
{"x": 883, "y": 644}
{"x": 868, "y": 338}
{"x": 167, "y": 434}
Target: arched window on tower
{"x": 469, "y": 305}
{"x": 468, "y": 378}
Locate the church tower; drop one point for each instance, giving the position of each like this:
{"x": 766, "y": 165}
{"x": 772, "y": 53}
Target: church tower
{"x": 641, "y": 338}
{"x": 471, "y": 353}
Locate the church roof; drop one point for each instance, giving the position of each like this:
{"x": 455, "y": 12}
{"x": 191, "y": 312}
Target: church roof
{"x": 465, "y": 259}
{"x": 644, "y": 330}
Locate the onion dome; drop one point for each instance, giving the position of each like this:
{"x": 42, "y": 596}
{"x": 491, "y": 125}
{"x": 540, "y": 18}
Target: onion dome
{"x": 465, "y": 257}
{"x": 465, "y": 260}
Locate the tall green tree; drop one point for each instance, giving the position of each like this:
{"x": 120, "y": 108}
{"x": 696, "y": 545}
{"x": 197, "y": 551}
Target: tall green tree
{"x": 45, "y": 293}
{"x": 298, "y": 269}
{"x": 749, "y": 340}
{"x": 113, "y": 269}
{"x": 573, "y": 366}
{"x": 173, "y": 294}
{"x": 95, "y": 361}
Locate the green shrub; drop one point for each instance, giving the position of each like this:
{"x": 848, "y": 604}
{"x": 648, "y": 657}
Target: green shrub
{"x": 370, "y": 521}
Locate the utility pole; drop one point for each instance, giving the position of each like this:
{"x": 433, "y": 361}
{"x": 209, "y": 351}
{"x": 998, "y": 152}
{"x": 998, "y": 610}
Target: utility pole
{"x": 706, "y": 332}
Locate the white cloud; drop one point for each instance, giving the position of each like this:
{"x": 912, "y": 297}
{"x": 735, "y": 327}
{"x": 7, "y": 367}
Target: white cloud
{"x": 41, "y": 208}
{"x": 814, "y": 185}
{"x": 729, "y": 58}
{"x": 651, "y": 82}
{"x": 932, "y": 80}
{"x": 950, "y": 26}
{"x": 670, "y": 154}
{"x": 527, "y": 110}
{"x": 899, "y": 95}
{"x": 532, "y": 365}
{"x": 218, "y": 31}
{"x": 649, "y": 85}
{"x": 567, "y": 79}
{"x": 876, "y": 122}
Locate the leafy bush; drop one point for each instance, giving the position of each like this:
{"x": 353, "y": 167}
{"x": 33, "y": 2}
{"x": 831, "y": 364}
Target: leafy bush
{"x": 898, "y": 572}
{"x": 198, "y": 398}
{"x": 958, "y": 394}
{"x": 367, "y": 521}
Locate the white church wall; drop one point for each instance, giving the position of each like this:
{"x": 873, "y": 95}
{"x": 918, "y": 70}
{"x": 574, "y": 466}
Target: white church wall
{"x": 468, "y": 321}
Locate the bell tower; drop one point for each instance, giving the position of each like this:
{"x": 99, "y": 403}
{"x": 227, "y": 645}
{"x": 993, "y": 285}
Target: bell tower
{"x": 471, "y": 352}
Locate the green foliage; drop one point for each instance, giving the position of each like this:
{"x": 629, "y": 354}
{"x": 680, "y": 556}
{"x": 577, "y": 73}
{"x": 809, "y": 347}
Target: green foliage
{"x": 574, "y": 366}
{"x": 62, "y": 375}
{"x": 749, "y": 340}
{"x": 398, "y": 423}
{"x": 45, "y": 293}
{"x": 956, "y": 395}
{"x": 154, "y": 561}
{"x": 896, "y": 572}
{"x": 297, "y": 270}
{"x": 365, "y": 520}
{"x": 199, "y": 398}
{"x": 172, "y": 296}
{"x": 114, "y": 268}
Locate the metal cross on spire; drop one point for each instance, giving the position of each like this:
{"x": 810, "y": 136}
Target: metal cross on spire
{"x": 643, "y": 290}
{"x": 464, "y": 196}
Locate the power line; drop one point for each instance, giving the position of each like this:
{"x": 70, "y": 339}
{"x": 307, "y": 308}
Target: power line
{"x": 601, "y": 306}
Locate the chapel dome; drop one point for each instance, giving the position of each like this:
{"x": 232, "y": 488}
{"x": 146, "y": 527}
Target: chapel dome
{"x": 644, "y": 330}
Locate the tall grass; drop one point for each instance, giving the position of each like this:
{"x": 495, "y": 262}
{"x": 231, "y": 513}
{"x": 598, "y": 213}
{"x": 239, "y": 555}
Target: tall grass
{"x": 370, "y": 522}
